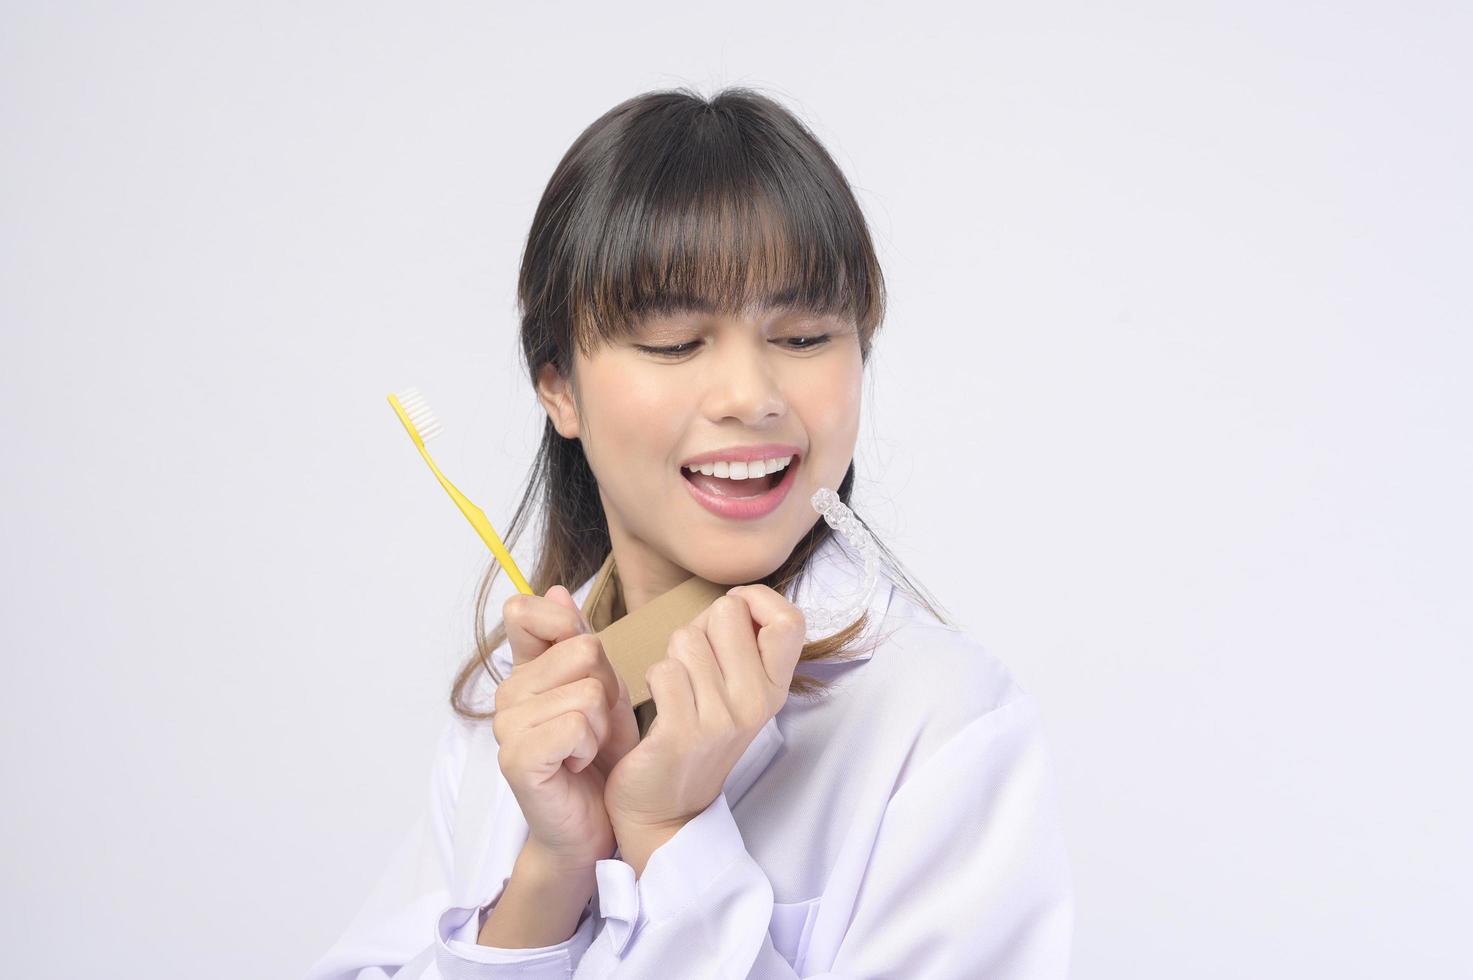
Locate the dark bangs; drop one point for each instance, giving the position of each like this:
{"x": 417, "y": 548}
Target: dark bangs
{"x": 715, "y": 208}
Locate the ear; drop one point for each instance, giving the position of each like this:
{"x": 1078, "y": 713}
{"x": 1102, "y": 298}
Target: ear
{"x": 556, "y": 395}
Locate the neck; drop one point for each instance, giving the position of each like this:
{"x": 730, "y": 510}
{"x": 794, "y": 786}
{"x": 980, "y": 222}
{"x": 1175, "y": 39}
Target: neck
{"x": 644, "y": 574}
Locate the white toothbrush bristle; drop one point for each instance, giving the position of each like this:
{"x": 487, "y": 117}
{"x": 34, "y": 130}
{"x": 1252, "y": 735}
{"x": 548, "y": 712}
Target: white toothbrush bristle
{"x": 419, "y": 413}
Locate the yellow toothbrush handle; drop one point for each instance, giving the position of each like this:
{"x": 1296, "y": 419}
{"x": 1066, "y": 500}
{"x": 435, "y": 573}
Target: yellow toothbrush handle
{"x": 483, "y": 527}
{"x": 472, "y": 513}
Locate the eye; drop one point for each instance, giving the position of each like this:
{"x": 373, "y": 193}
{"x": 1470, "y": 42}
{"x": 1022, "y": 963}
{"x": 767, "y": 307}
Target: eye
{"x": 679, "y": 350}
{"x": 676, "y": 351}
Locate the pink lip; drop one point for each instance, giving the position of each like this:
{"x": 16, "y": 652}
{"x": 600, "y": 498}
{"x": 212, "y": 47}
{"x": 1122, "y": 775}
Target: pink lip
{"x": 745, "y": 508}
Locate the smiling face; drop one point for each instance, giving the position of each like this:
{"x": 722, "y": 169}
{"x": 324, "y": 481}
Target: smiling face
{"x": 732, "y": 381}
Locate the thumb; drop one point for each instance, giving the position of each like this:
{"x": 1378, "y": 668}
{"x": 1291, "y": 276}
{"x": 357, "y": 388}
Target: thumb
{"x": 560, "y": 595}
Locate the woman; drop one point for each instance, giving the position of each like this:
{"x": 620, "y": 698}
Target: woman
{"x": 668, "y": 773}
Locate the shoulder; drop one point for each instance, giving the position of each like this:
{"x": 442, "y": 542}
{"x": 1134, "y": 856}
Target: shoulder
{"x": 924, "y": 685}
{"x": 939, "y": 667}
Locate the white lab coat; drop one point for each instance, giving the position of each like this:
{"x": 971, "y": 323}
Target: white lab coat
{"x": 905, "y": 826}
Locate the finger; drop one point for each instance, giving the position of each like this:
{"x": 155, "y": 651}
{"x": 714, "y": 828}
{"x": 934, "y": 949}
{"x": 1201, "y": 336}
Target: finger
{"x": 780, "y": 638}
{"x": 546, "y": 747}
{"x": 675, "y": 700}
{"x": 623, "y": 732}
{"x": 534, "y": 623}
{"x": 565, "y": 662}
{"x": 571, "y": 735}
{"x": 690, "y": 646}
{"x": 585, "y": 697}
{"x": 733, "y": 638}
{"x": 561, "y": 595}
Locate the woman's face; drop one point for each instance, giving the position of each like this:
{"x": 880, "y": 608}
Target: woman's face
{"x": 733, "y": 382}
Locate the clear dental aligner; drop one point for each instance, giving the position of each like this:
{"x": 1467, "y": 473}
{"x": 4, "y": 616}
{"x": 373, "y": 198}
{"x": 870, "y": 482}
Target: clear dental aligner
{"x": 824, "y": 622}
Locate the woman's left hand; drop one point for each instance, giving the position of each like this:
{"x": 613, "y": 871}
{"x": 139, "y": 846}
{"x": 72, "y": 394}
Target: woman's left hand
{"x": 718, "y": 685}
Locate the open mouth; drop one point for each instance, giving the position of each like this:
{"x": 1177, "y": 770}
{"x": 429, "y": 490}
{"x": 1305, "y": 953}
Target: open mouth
{"x": 738, "y": 489}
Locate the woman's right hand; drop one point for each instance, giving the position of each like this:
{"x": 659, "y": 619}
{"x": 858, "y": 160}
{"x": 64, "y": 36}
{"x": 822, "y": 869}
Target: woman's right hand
{"x": 563, "y": 719}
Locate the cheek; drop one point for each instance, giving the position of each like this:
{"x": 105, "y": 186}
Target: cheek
{"x": 829, "y": 404}
{"x": 638, "y": 394}
{"x": 631, "y": 417}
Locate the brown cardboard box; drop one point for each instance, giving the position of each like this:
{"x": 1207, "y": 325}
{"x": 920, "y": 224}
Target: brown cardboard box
{"x": 634, "y": 641}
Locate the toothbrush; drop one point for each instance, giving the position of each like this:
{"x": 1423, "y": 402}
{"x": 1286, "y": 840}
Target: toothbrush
{"x": 422, "y": 426}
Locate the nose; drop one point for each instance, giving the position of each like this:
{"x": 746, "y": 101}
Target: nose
{"x": 744, "y": 385}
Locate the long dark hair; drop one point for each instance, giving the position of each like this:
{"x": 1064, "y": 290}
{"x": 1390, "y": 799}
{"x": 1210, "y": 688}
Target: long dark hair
{"x": 672, "y": 202}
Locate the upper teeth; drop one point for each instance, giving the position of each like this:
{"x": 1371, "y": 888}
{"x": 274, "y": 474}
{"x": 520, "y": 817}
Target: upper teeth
{"x": 742, "y": 471}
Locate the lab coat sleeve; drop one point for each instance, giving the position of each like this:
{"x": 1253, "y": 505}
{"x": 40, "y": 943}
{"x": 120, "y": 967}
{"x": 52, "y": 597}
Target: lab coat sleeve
{"x": 409, "y": 917}
{"x": 968, "y": 878}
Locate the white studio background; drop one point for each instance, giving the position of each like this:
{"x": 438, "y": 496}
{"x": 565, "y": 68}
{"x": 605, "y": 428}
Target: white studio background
{"x": 1171, "y": 410}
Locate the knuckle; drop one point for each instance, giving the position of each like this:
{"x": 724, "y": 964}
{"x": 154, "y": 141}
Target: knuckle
{"x": 515, "y": 607}
{"x": 591, "y": 691}
{"x": 662, "y": 670}
{"x": 596, "y": 720}
{"x": 684, "y": 640}
{"x": 504, "y": 696}
{"x": 734, "y": 607}
{"x": 590, "y": 650}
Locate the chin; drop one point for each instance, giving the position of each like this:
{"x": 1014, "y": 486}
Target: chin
{"x": 741, "y": 565}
